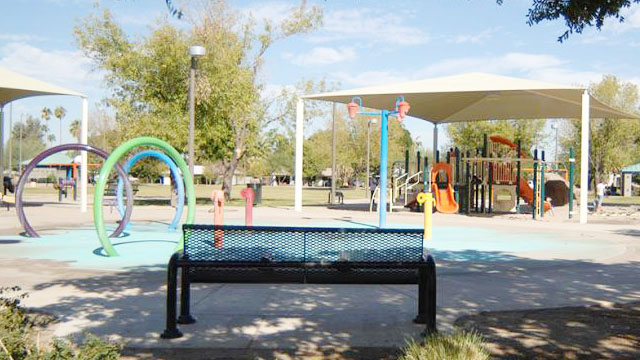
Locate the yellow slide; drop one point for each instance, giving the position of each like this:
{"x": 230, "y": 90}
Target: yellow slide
{"x": 442, "y": 188}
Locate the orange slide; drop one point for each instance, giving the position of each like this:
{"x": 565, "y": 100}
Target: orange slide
{"x": 526, "y": 192}
{"x": 441, "y": 187}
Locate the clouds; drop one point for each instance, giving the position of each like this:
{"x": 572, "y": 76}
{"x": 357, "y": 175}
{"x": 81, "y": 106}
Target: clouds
{"x": 20, "y": 37}
{"x": 323, "y": 56}
{"x": 361, "y": 28}
{"x": 631, "y": 20}
{"x": 273, "y": 11}
{"x": 67, "y": 68}
{"x": 477, "y": 38}
{"x": 369, "y": 26}
{"x": 541, "y": 67}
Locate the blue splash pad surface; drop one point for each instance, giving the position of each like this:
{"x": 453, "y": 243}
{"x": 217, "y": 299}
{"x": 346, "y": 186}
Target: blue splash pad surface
{"x": 149, "y": 245}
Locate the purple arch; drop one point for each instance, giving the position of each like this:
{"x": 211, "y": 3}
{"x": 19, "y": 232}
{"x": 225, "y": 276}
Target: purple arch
{"x": 66, "y": 147}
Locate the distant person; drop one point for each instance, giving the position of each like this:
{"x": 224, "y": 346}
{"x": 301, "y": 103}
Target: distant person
{"x": 600, "y": 188}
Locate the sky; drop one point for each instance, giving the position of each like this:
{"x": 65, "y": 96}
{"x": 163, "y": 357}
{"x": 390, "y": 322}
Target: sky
{"x": 361, "y": 43}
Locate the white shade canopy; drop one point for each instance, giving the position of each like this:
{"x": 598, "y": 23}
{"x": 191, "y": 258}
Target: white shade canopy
{"x": 478, "y": 96}
{"x": 14, "y": 86}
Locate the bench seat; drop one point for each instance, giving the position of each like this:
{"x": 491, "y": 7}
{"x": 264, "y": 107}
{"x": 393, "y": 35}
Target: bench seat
{"x": 267, "y": 254}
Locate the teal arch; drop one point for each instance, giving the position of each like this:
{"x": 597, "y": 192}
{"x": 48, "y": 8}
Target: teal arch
{"x": 120, "y": 151}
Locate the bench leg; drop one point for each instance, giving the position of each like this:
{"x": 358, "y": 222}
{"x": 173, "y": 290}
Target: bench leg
{"x": 431, "y": 297}
{"x": 185, "y": 299}
{"x": 422, "y": 296}
{"x": 171, "y": 330}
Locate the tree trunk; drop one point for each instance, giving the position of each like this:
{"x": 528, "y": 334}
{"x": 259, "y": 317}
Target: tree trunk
{"x": 227, "y": 184}
{"x": 231, "y": 166}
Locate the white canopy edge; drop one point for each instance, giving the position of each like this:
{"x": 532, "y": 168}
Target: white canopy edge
{"x": 14, "y": 86}
{"x": 477, "y": 97}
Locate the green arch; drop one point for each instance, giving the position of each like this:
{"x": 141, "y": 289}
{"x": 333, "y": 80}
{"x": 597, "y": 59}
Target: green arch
{"x": 108, "y": 165}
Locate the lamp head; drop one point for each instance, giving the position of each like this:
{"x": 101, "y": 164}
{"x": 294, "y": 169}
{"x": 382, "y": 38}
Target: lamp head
{"x": 197, "y": 51}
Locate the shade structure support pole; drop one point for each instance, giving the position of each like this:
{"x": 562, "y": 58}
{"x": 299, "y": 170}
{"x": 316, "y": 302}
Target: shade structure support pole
{"x": 299, "y": 140}
{"x": 84, "y": 168}
{"x": 333, "y": 155}
{"x": 584, "y": 158}
{"x": 2, "y": 144}
{"x": 384, "y": 152}
{"x": 435, "y": 139}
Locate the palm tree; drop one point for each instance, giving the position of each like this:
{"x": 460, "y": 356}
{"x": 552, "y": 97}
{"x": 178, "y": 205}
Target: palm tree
{"x": 74, "y": 129}
{"x": 46, "y": 116}
{"x": 60, "y": 113}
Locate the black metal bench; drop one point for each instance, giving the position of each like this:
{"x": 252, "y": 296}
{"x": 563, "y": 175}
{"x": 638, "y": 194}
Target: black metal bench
{"x": 266, "y": 254}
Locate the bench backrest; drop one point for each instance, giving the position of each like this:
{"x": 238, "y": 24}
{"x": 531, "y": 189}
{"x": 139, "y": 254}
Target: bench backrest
{"x": 300, "y": 244}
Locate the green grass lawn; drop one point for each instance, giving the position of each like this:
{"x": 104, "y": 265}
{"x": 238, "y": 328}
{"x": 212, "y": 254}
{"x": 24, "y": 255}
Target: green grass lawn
{"x": 271, "y": 195}
{"x": 152, "y": 194}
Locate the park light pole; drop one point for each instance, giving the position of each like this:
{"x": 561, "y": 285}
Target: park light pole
{"x": 195, "y": 52}
{"x": 554, "y": 126}
{"x": 366, "y": 185}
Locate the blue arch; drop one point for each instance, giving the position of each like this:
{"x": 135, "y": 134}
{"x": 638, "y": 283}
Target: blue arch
{"x": 177, "y": 177}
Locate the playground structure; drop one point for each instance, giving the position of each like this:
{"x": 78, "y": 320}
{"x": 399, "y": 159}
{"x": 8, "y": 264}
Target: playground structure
{"x": 170, "y": 156}
{"x": 487, "y": 182}
{"x": 405, "y": 185}
{"x": 483, "y": 181}
{"x": 112, "y": 162}
{"x": 176, "y": 177}
{"x": 24, "y": 177}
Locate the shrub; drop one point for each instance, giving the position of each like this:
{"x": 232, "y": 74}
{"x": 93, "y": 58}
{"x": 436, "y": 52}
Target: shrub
{"x": 460, "y": 345}
{"x": 17, "y": 338}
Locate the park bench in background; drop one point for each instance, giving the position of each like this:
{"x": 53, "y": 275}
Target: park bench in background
{"x": 265, "y": 254}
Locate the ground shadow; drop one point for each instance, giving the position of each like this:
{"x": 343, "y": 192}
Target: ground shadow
{"x": 271, "y": 319}
{"x": 592, "y": 332}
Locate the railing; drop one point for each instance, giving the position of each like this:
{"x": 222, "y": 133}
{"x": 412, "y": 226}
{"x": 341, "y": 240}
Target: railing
{"x": 376, "y": 194}
{"x": 397, "y": 187}
{"x": 409, "y": 185}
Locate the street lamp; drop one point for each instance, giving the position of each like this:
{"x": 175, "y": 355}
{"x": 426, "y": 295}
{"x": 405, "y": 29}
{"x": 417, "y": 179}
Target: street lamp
{"x": 195, "y": 52}
{"x": 366, "y": 185}
{"x": 554, "y": 126}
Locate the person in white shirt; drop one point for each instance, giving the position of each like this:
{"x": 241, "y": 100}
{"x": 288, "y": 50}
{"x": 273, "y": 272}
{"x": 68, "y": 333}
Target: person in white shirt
{"x": 599, "y": 195}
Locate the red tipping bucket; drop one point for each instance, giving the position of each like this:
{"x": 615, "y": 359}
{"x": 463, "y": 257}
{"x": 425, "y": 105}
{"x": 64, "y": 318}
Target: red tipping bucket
{"x": 403, "y": 109}
{"x": 353, "y": 109}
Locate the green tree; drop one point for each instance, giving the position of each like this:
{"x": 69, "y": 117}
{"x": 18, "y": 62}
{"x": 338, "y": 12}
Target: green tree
{"x": 351, "y": 142}
{"x": 577, "y": 14}
{"x": 46, "y": 114}
{"x": 60, "y": 113}
{"x": 149, "y": 77}
{"x": 27, "y": 140}
{"x": 469, "y": 136}
{"x": 614, "y": 143}
{"x": 74, "y": 129}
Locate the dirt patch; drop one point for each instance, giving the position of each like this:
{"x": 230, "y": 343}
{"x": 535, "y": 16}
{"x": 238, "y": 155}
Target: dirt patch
{"x": 591, "y": 332}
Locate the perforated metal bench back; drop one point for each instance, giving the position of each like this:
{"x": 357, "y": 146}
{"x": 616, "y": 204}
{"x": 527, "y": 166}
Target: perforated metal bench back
{"x": 290, "y": 244}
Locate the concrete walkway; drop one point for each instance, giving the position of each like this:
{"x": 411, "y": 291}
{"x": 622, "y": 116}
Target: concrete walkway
{"x": 240, "y": 320}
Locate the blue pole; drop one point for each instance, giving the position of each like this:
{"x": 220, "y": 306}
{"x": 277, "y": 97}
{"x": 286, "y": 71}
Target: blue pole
{"x": 384, "y": 140}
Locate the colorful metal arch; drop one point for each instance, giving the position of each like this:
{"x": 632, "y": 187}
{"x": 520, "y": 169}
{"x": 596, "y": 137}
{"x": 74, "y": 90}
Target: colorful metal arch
{"x": 176, "y": 176}
{"x": 119, "y": 152}
{"x": 69, "y": 147}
